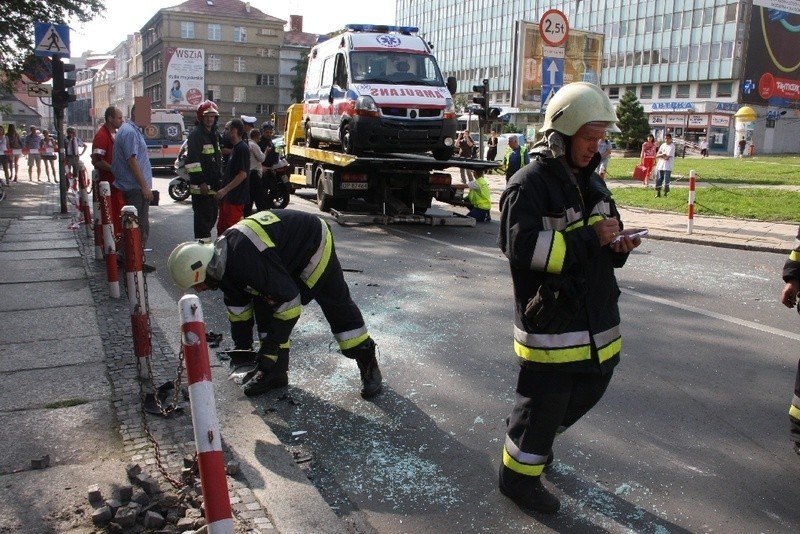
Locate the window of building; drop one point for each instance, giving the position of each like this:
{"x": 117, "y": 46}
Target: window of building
{"x": 705, "y": 48}
{"x": 623, "y": 28}
{"x": 674, "y": 54}
{"x": 268, "y": 32}
{"x": 667, "y": 21}
{"x": 239, "y": 64}
{"x": 213, "y": 62}
{"x": 263, "y": 109}
{"x": 613, "y": 93}
{"x": 214, "y": 32}
{"x": 655, "y": 56}
{"x": 646, "y": 57}
{"x": 730, "y": 12}
{"x": 727, "y": 49}
{"x": 715, "y": 48}
{"x": 687, "y": 19}
{"x": 239, "y": 34}
{"x": 682, "y": 90}
{"x": 697, "y": 18}
{"x": 683, "y": 56}
{"x": 657, "y": 22}
{"x": 704, "y": 90}
{"x": 648, "y": 24}
{"x": 724, "y": 89}
{"x": 239, "y": 94}
{"x": 646, "y": 92}
{"x": 187, "y": 30}
{"x": 265, "y": 79}
{"x": 629, "y": 59}
{"x": 629, "y": 88}
{"x": 664, "y": 91}
{"x": 694, "y": 52}
{"x": 214, "y": 92}
{"x": 708, "y": 16}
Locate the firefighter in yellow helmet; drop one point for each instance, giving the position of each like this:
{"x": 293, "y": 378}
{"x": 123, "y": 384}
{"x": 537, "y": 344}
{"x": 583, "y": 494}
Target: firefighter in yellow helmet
{"x": 563, "y": 238}
{"x": 268, "y": 266}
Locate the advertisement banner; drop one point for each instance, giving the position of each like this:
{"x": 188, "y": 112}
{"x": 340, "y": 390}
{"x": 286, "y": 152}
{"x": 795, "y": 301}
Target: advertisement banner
{"x": 185, "y": 79}
{"x": 583, "y": 61}
{"x": 772, "y": 67}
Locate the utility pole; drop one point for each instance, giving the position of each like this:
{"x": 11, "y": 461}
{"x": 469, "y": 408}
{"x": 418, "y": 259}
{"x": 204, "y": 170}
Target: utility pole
{"x": 61, "y": 99}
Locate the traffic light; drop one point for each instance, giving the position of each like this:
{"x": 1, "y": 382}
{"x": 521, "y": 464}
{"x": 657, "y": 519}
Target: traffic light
{"x": 61, "y": 84}
{"x": 480, "y": 98}
{"x": 493, "y": 113}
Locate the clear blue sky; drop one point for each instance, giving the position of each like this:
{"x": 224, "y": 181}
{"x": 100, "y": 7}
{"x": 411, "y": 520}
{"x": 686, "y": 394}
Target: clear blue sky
{"x": 123, "y": 17}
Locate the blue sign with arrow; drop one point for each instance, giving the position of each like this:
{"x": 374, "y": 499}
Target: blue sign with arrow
{"x": 552, "y": 78}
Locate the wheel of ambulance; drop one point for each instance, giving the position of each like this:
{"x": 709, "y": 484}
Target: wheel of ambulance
{"x": 310, "y": 141}
{"x": 347, "y": 140}
{"x": 443, "y": 154}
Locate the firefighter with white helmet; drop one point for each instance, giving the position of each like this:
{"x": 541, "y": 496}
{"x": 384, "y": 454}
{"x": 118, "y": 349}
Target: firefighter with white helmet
{"x": 268, "y": 266}
{"x": 203, "y": 164}
{"x": 563, "y": 238}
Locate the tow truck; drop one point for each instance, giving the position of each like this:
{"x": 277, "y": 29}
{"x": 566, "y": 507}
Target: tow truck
{"x": 386, "y": 188}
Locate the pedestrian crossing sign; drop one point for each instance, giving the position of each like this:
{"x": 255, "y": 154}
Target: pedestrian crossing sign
{"x": 51, "y": 39}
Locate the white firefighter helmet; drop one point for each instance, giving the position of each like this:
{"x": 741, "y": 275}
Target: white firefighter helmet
{"x": 188, "y": 262}
{"x": 576, "y": 104}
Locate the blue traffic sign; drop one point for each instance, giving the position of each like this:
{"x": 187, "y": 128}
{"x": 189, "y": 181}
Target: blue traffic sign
{"x": 51, "y": 39}
{"x": 552, "y": 78}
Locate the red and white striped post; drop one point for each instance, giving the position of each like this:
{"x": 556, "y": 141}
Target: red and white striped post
{"x": 690, "y": 222}
{"x": 109, "y": 244}
{"x": 134, "y": 277}
{"x": 97, "y": 219}
{"x": 207, "y": 438}
{"x": 84, "y": 201}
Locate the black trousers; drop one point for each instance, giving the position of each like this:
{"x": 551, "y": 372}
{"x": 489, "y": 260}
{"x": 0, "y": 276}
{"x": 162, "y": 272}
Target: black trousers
{"x": 794, "y": 416}
{"x": 548, "y": 402}
{"x": 205, "y": 215}
{"x": 257, "y": 194}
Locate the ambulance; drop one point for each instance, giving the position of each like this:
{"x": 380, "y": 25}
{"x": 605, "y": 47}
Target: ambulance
{"x": 164, "y": 136}
{"x": 378, "y": 89}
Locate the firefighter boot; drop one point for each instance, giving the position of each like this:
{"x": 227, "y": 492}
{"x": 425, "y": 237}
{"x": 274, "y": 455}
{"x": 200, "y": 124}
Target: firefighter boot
{"x": 364, "y": 355}
{"x": 272, "y": 374}
{"x": 527, "y": 492}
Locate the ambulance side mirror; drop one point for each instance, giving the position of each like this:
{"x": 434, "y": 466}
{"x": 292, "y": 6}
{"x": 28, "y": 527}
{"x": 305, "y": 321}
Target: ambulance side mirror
{"x": 452, "y": 84}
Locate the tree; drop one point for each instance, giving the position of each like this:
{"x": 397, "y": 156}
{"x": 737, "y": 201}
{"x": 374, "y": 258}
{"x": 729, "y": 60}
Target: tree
{"x": 299, "y": 79}
{"x": 17, "y": 20}
{"x": 632, "y": 122}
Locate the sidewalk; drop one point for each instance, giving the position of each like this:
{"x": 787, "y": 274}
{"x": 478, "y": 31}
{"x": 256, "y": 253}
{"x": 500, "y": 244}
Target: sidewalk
{"x": 70, "y": 395}
{"x": 714, "y": 231}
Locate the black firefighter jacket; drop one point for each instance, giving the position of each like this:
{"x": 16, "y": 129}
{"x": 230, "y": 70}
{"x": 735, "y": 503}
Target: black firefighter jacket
{"x": 203, "y": 160}
{"x": 546, "y": 234}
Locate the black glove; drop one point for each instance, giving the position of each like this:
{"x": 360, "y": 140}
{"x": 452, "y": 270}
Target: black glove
{"x": 555, "y": 304}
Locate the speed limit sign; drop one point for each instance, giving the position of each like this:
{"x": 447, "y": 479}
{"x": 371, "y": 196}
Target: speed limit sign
{"x": 554, "y": 28}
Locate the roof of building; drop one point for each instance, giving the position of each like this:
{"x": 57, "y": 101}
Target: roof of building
{"x": 306, "y": 39}
{"x": 228, "y": 8}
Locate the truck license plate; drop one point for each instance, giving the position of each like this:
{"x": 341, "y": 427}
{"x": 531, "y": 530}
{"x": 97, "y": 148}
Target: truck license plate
{"x": 354, "y": 185}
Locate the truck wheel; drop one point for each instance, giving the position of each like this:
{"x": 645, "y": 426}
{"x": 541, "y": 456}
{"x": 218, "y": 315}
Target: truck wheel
{"x": 323, "y": 200}
{"x": 310, "y": 141}
{"x": 443, "y": 154}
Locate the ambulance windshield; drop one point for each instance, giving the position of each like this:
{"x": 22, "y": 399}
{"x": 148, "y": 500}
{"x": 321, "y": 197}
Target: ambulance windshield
{"x": 395, "y": 67}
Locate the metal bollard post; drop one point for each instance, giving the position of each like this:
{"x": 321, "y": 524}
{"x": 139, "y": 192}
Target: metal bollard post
{"x": 207, "y": 438}
{"x": 134, "y": 277}
{"x": 109, "y": 245}
{"x": 97, "y": 220}
{"x": 690, "y": 222}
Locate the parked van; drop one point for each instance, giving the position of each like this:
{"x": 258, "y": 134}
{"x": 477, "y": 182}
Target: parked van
{"x": 164, "y": 136}
{"x": 379, "y": 89}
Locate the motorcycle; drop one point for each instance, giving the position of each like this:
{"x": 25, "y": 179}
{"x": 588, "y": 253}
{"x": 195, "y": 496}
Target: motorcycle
{"x": 278, "y": 188}
{"x": 179, "y": 186}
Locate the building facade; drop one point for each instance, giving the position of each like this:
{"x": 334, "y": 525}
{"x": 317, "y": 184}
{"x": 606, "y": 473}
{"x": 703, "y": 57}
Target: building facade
{"x": 296, "y": 46}
{"x": 225, "y": 49}
{"x": 691, "y": 64}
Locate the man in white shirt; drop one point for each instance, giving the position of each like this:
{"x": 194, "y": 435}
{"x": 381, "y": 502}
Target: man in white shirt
{"x": 664, "y": 159}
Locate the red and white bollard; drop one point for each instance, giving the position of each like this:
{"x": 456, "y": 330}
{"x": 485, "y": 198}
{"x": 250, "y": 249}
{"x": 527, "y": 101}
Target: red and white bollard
{"x": 97, "y": 219}
{"x": 690, "y": 222}
{"x": 83, "y": 202}
{"x": 207, "y": 438}
{"x": 134, "y": 278}
{"x": 109, "y": 244}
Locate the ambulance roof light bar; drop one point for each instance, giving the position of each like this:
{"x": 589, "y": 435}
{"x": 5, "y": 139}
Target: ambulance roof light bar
{"x": 380, "y": 28}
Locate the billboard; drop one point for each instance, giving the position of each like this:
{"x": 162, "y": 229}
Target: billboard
{"x": 537, "y": 64}
{"x": 772, "y": 67}
{"x": 185, "y": 78}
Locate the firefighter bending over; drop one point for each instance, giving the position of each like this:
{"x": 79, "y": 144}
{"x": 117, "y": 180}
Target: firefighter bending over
{"x": 268, "y": 265}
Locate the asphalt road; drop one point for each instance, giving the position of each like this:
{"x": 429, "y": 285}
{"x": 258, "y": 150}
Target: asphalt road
{"x": 692, "y": 435}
